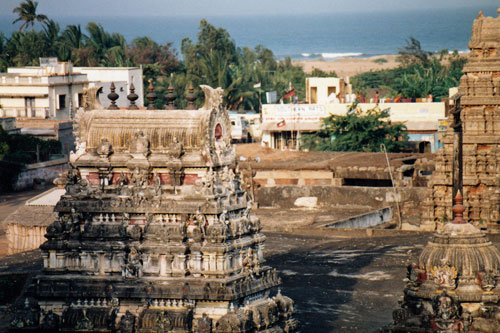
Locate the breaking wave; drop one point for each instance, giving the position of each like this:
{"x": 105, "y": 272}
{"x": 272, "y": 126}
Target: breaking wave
{"x": 330, "y": 55}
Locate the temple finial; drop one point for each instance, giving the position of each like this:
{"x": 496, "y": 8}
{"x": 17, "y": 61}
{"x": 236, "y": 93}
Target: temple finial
{"x": 151, "y": 96}
{"x": 113, "y": 96}
{"x": 458, "y": 209}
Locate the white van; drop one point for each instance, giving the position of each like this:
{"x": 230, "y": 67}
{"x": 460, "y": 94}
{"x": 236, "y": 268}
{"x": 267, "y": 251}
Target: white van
{"x": 239, "y": 128}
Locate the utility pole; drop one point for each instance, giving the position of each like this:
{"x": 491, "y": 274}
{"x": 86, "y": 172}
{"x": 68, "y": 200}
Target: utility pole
{"x": 456, "y": 125}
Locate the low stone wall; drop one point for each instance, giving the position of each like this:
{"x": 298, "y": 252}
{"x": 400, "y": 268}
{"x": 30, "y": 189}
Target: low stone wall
{"x": 269, "y": 178}
{"x": 409, "y": 199}
{"x": 22, "y": 238}
{"x": 367, "y": 220}
{"x": 45, "y": 171}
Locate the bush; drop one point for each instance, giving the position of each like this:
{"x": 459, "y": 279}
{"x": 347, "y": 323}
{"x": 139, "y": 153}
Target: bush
{"x": 357, "y": 131}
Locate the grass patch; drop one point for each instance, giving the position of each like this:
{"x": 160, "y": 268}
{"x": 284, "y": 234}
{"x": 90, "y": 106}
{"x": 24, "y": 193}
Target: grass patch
{"x": 380, "y": 60}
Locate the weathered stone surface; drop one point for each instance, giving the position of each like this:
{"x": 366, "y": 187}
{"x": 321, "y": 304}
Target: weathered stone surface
{"x": 454, "y": 284}
{"x": 155, "y": 231}
{"x": 306, "y": 202}
{"x": 480, "y": 118}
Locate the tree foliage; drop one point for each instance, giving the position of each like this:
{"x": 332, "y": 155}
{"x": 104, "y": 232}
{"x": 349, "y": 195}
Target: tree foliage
{"x": 418, "y": 75}
{"x": 357, "y": 131}
{"x": 27, "y": 14}
{"x": 22, "y": 148}
{"x": 412, "y": 53}
{"x": 213, "y": 59}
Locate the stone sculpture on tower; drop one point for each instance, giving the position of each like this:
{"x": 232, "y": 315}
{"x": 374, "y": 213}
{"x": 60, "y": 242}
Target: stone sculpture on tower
{"x": 478, "y": 117}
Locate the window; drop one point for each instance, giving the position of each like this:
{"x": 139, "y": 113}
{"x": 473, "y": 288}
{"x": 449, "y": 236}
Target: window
{"x": 80, "y": 100}
{"x": 314, "y": 95}
{"x": 62, "y": 102}
{"x": 29, "y": 106}
{"x": 332, "y": 90}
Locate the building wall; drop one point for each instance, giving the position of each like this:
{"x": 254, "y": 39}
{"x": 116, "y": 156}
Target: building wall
{"x": 421, "y": 119}
{"x": 23, "y": 83}
{"x": 321, "y": 84}
{"x": 409, "y": 199}
{"x": 47, "y": 171}
{"x": 122, "y": 78}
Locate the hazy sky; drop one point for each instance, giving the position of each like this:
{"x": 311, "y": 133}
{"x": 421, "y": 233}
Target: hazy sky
{"x": 230, "y": 7}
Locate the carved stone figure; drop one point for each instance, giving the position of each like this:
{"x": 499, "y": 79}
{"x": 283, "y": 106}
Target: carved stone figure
{"x": 51, "y": 321}
{"x": 213, "y": 97}
{"x": 445, "y": 275}
{"x": 91, "y": 98}
{"x": 127, "y": 323}
{"x": 104, "y": 149}
{"x": 204, "y": 324}
{"x": 139, "y": 145}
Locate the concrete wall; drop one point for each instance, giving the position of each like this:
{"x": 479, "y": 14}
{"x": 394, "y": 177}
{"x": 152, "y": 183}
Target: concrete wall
{"x": 368, "y": 220}
{"x": 416, "y": 116}
{"x": 322, "y": 84}
{"x": 121, "y": 76}
{"x": 409, "y": 199}
{"x": 22, "y": 238}
{"x": 47, "y": 171}
{"x": 267, "y": 178}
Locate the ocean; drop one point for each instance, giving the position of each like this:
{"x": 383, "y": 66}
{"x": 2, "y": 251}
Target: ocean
{"x": 305, "y": 36}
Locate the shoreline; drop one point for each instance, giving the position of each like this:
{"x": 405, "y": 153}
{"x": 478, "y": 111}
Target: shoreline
{"x": 349, "y": 66}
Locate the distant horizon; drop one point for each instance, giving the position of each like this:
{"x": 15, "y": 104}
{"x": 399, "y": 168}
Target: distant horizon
{"x": 303, "y": 36}
{"x": 489, "y": 8}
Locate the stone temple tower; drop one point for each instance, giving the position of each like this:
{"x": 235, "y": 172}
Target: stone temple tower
{"x": 453, "y": 287}
{"x": 480, "y": 125}
{"x": 154, "y": 233}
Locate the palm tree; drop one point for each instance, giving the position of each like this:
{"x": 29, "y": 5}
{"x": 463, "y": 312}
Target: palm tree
{"x": 27, "y": 13}
{"x": 73, "y": 42}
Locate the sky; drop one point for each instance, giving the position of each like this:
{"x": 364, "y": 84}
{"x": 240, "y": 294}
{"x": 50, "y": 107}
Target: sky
{"x": 58, "y": 8}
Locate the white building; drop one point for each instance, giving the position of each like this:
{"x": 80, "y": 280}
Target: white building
{"x": 282, "y": 124}
{"x": 324, "y": 90}
{"x": 122, "y": 78}
{"x": 51, "y": 91}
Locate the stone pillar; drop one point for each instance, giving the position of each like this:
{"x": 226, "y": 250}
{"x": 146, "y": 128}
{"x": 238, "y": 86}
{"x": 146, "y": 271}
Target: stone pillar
{"x": 162, "y": 262}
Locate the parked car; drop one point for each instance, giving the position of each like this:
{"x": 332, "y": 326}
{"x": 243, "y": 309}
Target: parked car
{"x": 239, "y": 128}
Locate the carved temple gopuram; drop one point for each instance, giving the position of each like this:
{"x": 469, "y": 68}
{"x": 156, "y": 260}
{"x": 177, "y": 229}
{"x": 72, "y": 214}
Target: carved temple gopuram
{"x": 154, "y": 233}
{"x": 454, "y": 285}
{"x": 476, "y": 119}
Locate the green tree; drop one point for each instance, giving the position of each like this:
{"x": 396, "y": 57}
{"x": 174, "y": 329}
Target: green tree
{"x": 214, "y": 60}
{"x": 105, "y": 49}
{"x": 418, "y": 75}
{"x": 319, "y": 73}
{"x": 412, "y": 53}
{"x": 27, "y": 14}
{"x": 73, "y": 40}
{"x": 357, "y": 131}
{"x": 4, "y": 58}
{"x": 25, "y": 48}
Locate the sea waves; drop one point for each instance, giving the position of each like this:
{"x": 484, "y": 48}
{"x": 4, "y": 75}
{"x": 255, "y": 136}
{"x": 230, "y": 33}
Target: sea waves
{"x": 329, "y": 55}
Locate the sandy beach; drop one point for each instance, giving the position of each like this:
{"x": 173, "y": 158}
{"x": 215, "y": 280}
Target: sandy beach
{"x": 349, "y": 66}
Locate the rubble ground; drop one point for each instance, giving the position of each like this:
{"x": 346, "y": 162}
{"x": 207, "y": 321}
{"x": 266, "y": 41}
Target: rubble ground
{"x": 341, "y": 280}
{"x": 269, "y": 158}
